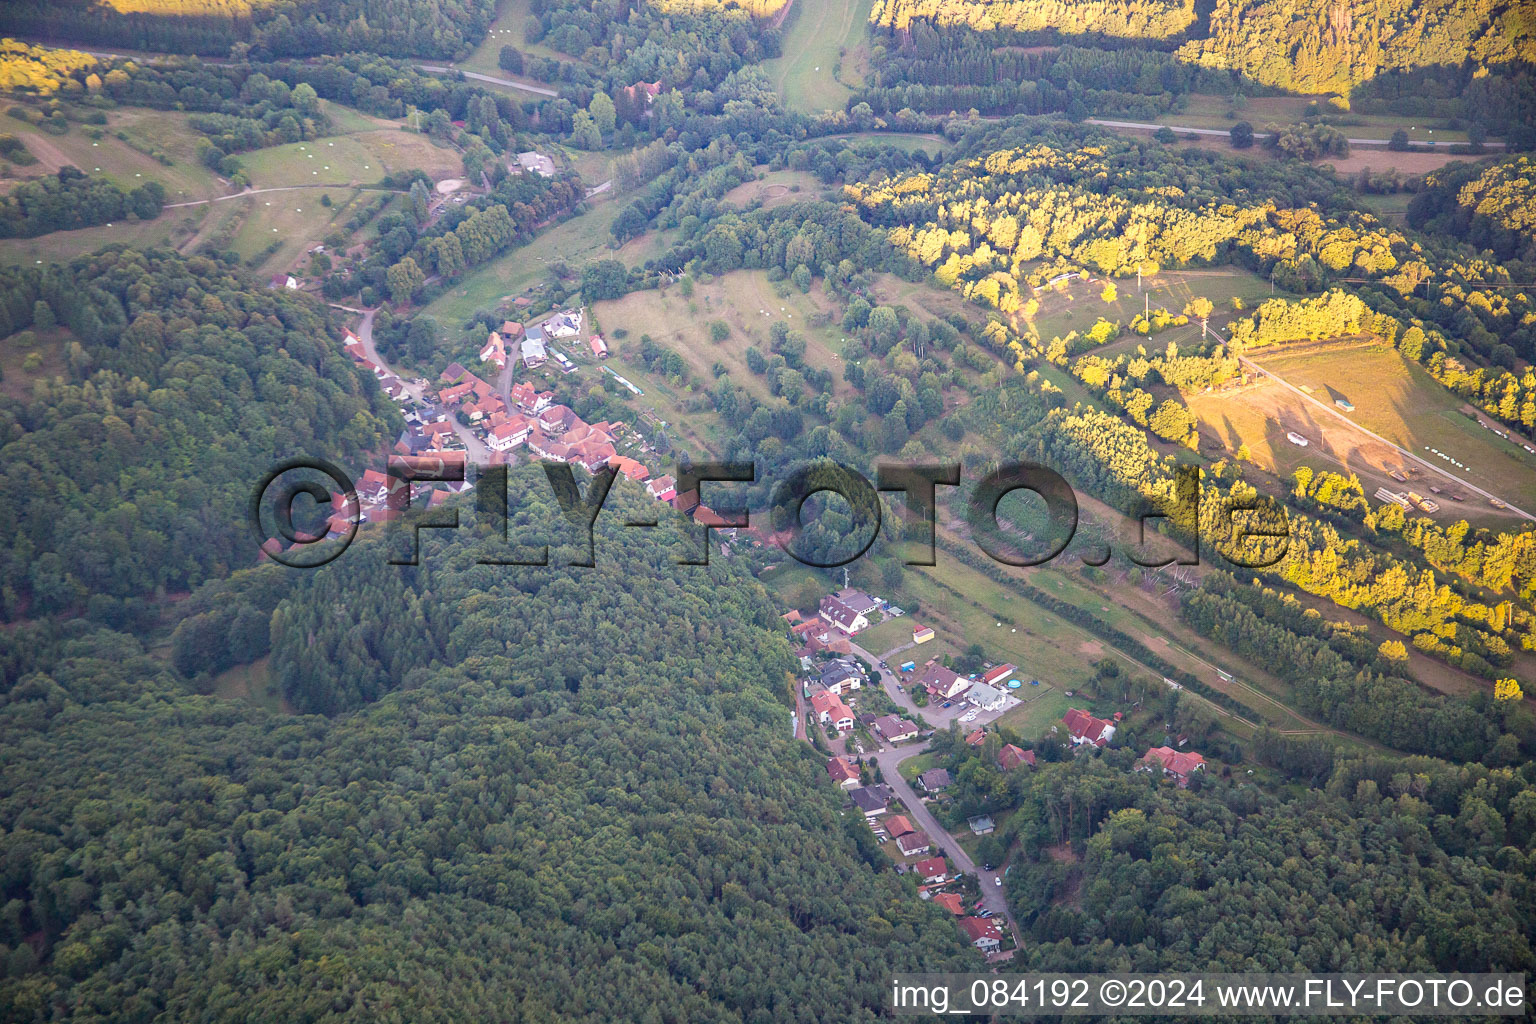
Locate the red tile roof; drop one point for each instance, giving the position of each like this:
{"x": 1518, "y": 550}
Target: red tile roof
{"x": 933, "y": 867}
{"x": 951, "y": 902}
{"x": 1010, "y": 757}
{"x": 898, "y": 825}
{"x": 978, "y": 929}
{"x": 841, "y": 770}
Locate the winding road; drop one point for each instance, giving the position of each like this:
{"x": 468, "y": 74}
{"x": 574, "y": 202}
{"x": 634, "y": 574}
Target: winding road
{"x": 478, "y": 452}
{"x": 889, "y": 758}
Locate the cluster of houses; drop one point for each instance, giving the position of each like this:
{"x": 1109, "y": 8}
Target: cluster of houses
{"x": 850, "y": 611}
{"x": 986, "y": 693}
{"x": 929, "y": 866}
{"x": 532, "y": 343}
{"x": 1085, "y": 730}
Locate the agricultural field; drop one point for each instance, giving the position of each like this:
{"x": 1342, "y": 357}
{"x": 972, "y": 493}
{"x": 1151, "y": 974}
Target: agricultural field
{"x": 280, "y": 227}
{"x": 1392, "y": 397}
{"x": 814, "y": 44}
{"x": 748, "y": 303}
{"x": 359, "y": 159}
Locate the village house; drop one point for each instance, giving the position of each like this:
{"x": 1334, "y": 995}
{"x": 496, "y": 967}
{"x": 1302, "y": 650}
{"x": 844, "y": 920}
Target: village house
{"x": 941, "y": 683}
{"x": 511, "y": 330}
{"x": 530, "y": 400}
{"x": 662, "y": 488}
{"x": 921, "y": 634}
{"x": 373, "y": 487}
{"x": 987, "y": 698}
{"x": 951, "y": 902}
{"x": 913, "y": 843}
{"x": 976, "y": 738}
{"x": 1175, "y": 764}
{"x": 841, "y": 675}
{"x": 981, "y": 825}
{"x": 934, "y": 869}
{"x": 453, "y": 374}
{"x": 494, "y": 351}
{"x": 598, "y": 346}
{"x": 982, "y": 932}
{"x": 997, "y": 674}
{"x": 629, "y": 468}
{"x": 872, "y": 800}
{"x": 859, "y": 601}
{"x": 1084, "y": 728}
{"x": 898, "y": 825}
{"x": 894, "y": 729}
{"x": 532, "y": 349}
{"x": 934, "y": 780}
{"x": 508, "y": 434}
{"x": 564, "y": 324}
{"x": 843, "y": 772}
{"x": 830, "y": 710}
{"x": 1010, "y": 757}
{"x": 842, "y": 616}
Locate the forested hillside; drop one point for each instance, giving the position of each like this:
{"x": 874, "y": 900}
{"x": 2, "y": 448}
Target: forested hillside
{"x": 129, "y": 473}
{"x": 584, "y": 803}
{"x": 1318, "y": 46}
{"x": 1306, "y": 46}
{"x": 422, "y": 28}
{"x": 1121, "y": 873}
{"x": 1493, "y": 206}
{"x": 1138, "y": 20}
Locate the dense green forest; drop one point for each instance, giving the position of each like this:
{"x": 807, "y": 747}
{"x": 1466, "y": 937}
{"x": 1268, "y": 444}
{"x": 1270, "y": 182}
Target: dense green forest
{"x": 1492, "y": 205}
{"x": 1384, "y": 864}
{"x": 581, "y": 801}
{"x": 420, "y": 28}
{"x": 71, "y": 199}
{"x": 128, "y": 475}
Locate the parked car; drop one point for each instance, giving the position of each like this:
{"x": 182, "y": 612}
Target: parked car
{"x": 998, "y": 880}
{"x": 986, "y": 913}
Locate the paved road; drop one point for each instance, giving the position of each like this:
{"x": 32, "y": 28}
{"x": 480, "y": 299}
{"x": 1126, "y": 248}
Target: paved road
{"x": 478, "y": 452}
{"x": 277, "y": 188}
{"x": 1224, "y": 133}
{"x": 992, "y": 893}
{"x": 890, "y": 759}
{"x": 442, "y": 69}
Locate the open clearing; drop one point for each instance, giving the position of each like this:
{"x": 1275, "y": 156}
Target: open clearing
{"x": 775, "y": 188}
{"x": 575, "y": 242}
{"x": 360, "y": 159}
{"x": 818, "y": 30}
{"x": 1393, "y": 397}
{"x": 749, "y": 304}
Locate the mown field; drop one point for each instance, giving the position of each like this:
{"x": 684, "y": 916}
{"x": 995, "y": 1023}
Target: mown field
{"x": 775, "y": 188}
{"x": 358, "y": 159}
{"x": 574, "y": 242}
{"x": 1392, "y": 397}
{"x": 816, "y": 33}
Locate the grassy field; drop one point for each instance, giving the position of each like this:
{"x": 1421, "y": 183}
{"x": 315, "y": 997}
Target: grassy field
{"x": 907, "y": 142}
{"x": 297, "y": 220}
{"x": 17, "y": 379}
{"x": 748, "y": 303}
{"x": 817, "y": 32}
{"x": 508, "y": 30}
{"x": 358, "y": 159}
{"x": 250, "y": 683}
{"x": 775, "y": 188}
{"x": 575, "y": 241}
{"x": 1392, "y": 397}
{"x": 1078, "y": 305}
{"x": 883, "y": 636}
{"x": 1400, "y": 401}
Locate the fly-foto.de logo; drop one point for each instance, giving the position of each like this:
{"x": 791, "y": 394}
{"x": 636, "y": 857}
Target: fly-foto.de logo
{"x": 1253, "y": 532}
